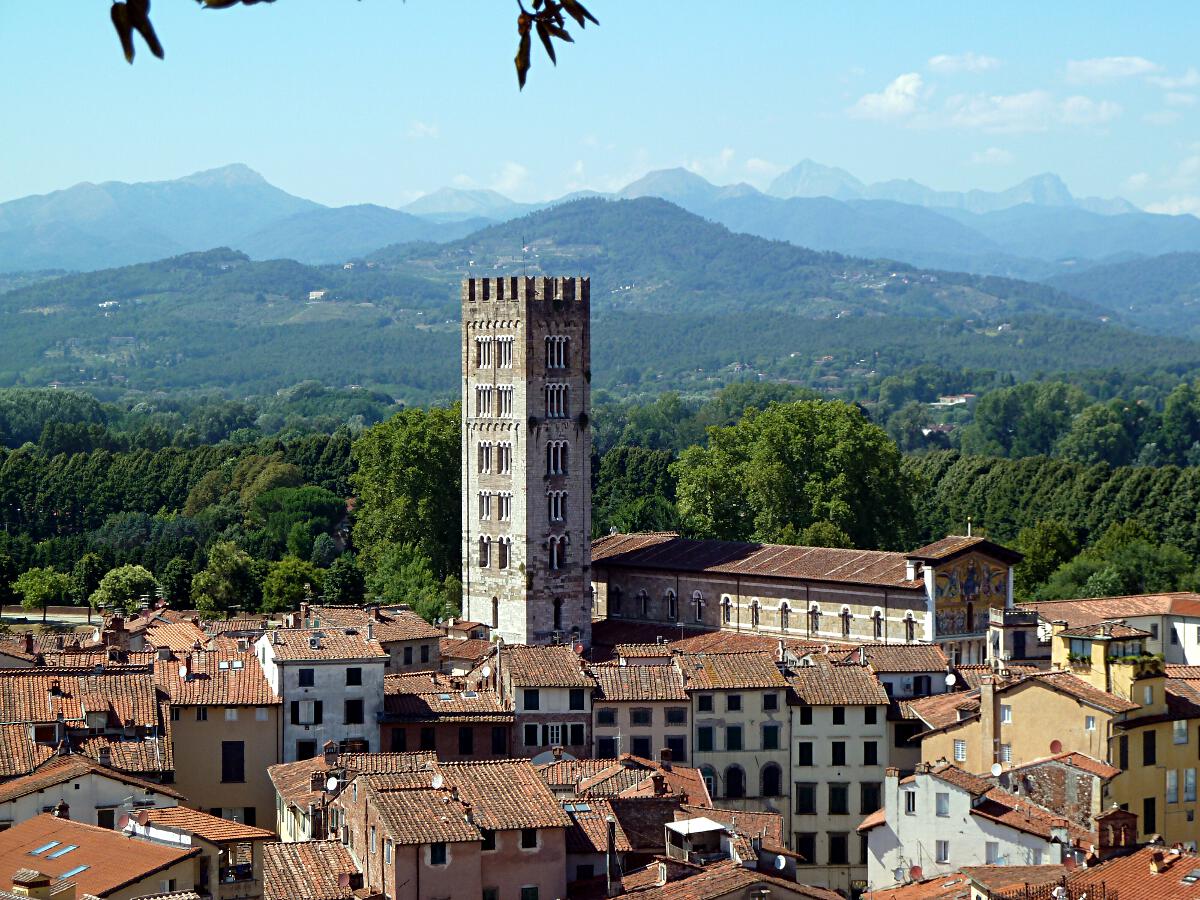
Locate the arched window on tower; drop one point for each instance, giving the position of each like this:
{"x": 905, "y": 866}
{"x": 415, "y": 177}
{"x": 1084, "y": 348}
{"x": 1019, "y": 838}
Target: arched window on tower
{"x": 558, "y": 607}
{"x": 643, "y": 604}
{"x": 735, "y": 782}
{"x": 698, "y": 605}
{"x": 814, "y": 619}
{"x": 846, "y": 619}
{"x": 754, "y": 612}
{"x": 503, "y": 552}
{"x": 485, "y": 551}
{"x": 910, "y": 628}
{"x": 495, "y": 612}
{"x": 614, "y": 600}
{"x": 726, "y": 610}
{"x": 877, "y": 624}
{"x": 672, "y": 605}
{"x": 785, "y": 616}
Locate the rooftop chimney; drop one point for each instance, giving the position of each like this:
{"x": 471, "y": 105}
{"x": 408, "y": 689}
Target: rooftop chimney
{"x": 62, "y": 810}
{"x": 29, "y": 642}
{"x": 557, "y": 751}
{"x": 331, "y": 754}
{"x": 370, "y": 629}
{"x": 664, "y": 758}
{"x": 660, "y": 784}
{"x": 104, "y": 756}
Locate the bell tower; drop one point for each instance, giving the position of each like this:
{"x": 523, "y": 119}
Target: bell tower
{"x": 526, "y": 457}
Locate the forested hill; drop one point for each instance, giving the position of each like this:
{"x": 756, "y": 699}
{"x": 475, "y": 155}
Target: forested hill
{"x": 650, "y": 254}
{"x": 1161, "y": 293}
{"x": 678, "y": 302}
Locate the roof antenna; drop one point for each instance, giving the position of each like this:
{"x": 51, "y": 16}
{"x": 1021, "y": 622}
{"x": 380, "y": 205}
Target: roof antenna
{"x": 524, "y": 258}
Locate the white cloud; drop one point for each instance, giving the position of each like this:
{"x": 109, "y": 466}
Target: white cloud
{"x": 1036, "y": 110}
{"x": 1177, "y": 206}
{"x": 713, "y": 166}
{"x": 1162, "y": 117}
{"x": 899, "y": 100}
{"x": 463, "y": 181}
{"x": 1189, "y": 79}
{"x": 511, "y": 176}
{"x": 1108, "y": 68}
{"x": 763, "y": 167}
{"x": 1086, "y": 111}
{"x": 992, "y": 156}
{"x": 420, "y": 130}
{"x": 962, "y": 62}
{"x": 1137, "y": 181}
{"x": 1178, "y": 98}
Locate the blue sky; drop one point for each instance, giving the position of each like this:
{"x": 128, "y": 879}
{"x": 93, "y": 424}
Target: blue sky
{"x": 380, "y": 101}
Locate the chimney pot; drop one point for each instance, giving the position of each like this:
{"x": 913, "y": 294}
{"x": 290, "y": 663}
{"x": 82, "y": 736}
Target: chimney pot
{"x": 664, "y": 758}
{"x": 331, "y": 754}
{"x": 62, "y": 810}
{"x": 29, "y": 642}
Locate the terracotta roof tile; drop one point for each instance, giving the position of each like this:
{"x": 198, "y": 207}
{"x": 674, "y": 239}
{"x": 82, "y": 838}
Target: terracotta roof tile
{"x": 112, "y": 860}
{"x": 627, "y": 776}
{"x": 61, "y": 769}
{"x": 308, "y": 870}
{"x": 638, "y": 683}
{"x": 727, "y": 878}
{"x": 718, "y": 671}
{"x": 175, "y": 635}
{"x": 557, "y": 666}
{"x": 293, "y": 781}
{"x": 952, "y": 774}
{"x": 211, "y": 828}
{"x": 997, "y": 878}
{"x": 1081, "y": 761}
{"x": 298, "y": 644}
{"x": 1098, "y": 609}
{"x": 896, "y": 658}
{"x": 506, "y": 793}
{"x": 215, "y": 678}
{"x": 954, "y": 545}
{"x": 1130, "y": 878}
{"x": 428, "y": 697}
{"x": 588, "y": 831}
{"x": 768, "y": 825}
{"x": 422, "y": 815}
{"x": 250, "y": 625}
{"x": 473, "y": 649}
{"x": 391, "y": 623}
{"x": 954, "y": 886}
{"x": 941, "y": 710}
{"x": 970, "y": 675}
{"x": 667, "y": 550}
{"x": 1020, "y": 814}
{"x": 1103, "y": 630}
{"x": 826, "y": 684}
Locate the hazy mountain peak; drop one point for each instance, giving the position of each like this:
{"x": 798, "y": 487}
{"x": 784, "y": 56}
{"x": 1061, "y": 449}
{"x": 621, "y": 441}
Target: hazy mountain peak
{"x": 232, "y": 175}
{"x": 460, "y": 201}
{"x": 812, "y": 179}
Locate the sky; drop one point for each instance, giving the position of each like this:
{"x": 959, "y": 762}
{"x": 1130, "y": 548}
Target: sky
{"x": 380, "y": 101}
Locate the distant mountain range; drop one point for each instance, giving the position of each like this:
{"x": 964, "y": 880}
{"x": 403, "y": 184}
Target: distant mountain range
{"x": 1035, "y": 230}
{"x": 678, "y": 302}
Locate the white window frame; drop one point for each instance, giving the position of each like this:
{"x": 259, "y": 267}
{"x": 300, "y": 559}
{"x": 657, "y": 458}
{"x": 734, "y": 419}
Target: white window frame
{"x": 942, "y": 804}
{"x": 960, "y": 750}
{"x": 1005, "y": 714}
{"x": 485, "y": 551}
{"x": 943, "y": 851}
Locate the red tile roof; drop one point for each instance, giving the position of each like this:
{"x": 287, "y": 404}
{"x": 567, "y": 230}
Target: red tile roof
{"x": 1099, "y": 631}
{"x": 175, "y": 635}
{"x": 588, "y": 832}
{"x": 293, "y": 781}
{"x": 212, "y": 828}
{"x": 301, "y": 644}
{"x": 942, "y": 710}
{"x": 1097, "y": 609}
{"x": 430, "y": 696}
{"x": 667, "y": 550}
{"x": 422, "y": 815}
{"x": 895, "y": 658}
{"x": 954, "y": 886}
{"x": 637, "y": 683}
{"x": 222, "y": 677}
{"x": 623, "y": 777}
{"x": 955, "y": 545}
{"x": 61, "y": 769}
{"x": 390, "y": 623}
{"x": 505, "y": 793}
{"x": 730, "y": 671}
{"x": 1130, "y": 877}
{"x": 952, "y": 774}
{"x": 1079, "y": 761}
{"x": 309, "y": 870}
{"x": 546, "y": 667}
{"x": 767, "y": 825}
{"x": 827, "y": 684}
{"x": 473, "y": 649}
{"x": 112, "y": 860}
{"x": 728, "y": 879}
{"x": 998, "y": 878}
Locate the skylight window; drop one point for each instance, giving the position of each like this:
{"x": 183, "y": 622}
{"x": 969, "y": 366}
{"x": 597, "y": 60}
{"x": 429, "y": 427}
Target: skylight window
{"x": 444, "y": 696}
{"x": 63, "y": 851}
{"x": 71, "y": 873}
{"x": 223, "y": 664}
{"x": 42, "y": 849}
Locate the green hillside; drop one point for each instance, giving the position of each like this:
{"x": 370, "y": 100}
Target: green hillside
{"x": 678, "y": 302}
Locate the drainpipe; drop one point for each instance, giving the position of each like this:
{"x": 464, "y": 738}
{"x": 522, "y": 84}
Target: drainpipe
{"x": 612, "y": 888}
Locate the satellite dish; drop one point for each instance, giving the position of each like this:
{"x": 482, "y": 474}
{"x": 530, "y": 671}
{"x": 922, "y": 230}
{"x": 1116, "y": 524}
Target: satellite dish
{"x": 898, "y": 875}
{"x": 622, "y": 662}
{"x": 183, "y": 670}
{"x": 579, "y": 649}
{"x": 951, "y": 679}
{"x": 996, "y": 770}
{"x": 123, "y": 822}
{"x": 438, "y": 781}
{"x": 143, "y": 817}
{"x": 915, "y": 873}
{"x": 486, "y": 671}
{"x": 780, "y": 862}
{"x": 331, "y": 784}
{"x": 1056, "y": 746}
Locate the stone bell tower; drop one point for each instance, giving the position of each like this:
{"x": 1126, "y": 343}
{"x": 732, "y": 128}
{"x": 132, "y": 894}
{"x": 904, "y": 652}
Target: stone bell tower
{"x": 526, "y": 457}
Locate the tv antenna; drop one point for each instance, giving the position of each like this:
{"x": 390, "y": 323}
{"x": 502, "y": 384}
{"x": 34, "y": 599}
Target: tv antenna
{"x": 524, "y": 258}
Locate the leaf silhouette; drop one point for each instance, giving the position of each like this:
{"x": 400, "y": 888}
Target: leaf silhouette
{"x": 120, "y": 19}
{"x": 522, "y": 59}
{"x": 139, "y": 18}
{"x": 544, "y": 34}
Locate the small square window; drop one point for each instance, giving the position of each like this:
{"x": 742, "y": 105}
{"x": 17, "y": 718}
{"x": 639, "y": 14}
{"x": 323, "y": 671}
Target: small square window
{"x": 577, "y": 699}
{"x": 704, "y": 703}
{"x": 606, "y": 716}
{"x": 805, "y": 715}
{"x": 770, "y": 702}
{"x": 354, "y": 676}
{"x": 733, "y": 703}
{"x": 306, "y": 677}
{"x": 437, "y": 854}
{"x": 870, "y": 715}
{"x": 529, "y": 838}
{"x": 839, "y": 715}
{"x": 489, "y": 839}
{"x": 533, "y": 699}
